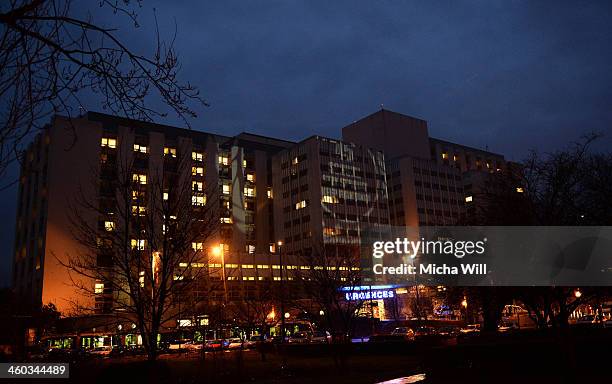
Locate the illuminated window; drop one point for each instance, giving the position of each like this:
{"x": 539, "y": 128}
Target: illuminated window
{"x": 262, "y": 266}
{"x": 244, "y": 163}
{"x": 169, "y": 151}
{"x": 197, "y": 156}
{"x": 140, "y": 148}
{"x": 178, "y": 277}
{"x": 99, "y": 288}
{"x": 197, "y": 186}
{"x": 330, "y": 199}
{"x": 230, "y": 265}
{"x": 226, "y": 189}
{"x": 232, "y": 278}
{"x": 251, "y": 249}
{"x": 139, "y": 178}
{"x": 444, "y": 156}
{"x": 277, "y": 278}
{"x": 139, "y": 210}
{"x": 300, "y": 205}
{"x": 109, "y": 143}
{"x": 198, "y": 200}
{"x": 520, "y": 190}
{"x": 455, "y": 158}
{"x": 249, "y": 191}
{"x": 295, "y": 161}
{"x": 250, "y": 177}
{"x": 138, "y": 244}
{"x": 223, "y": 160}
{"x": 138, "y": 195}
{"x": 248, "y": 277}
{"x": 248, "y": 266}
{"x": 329, "y": 231}
{"x": 226, "y": 204}
{"x": 109, "y": 226}
{"x": 226, "y": 220}
{"x": 197, "y": 171}
{"x": 272, "y": 247}
{"x": 488, "y": 165}
{"x": 468, "y": 199}
{"x": 198, "y": 265}
{"x": 270, "y": 195}
{"x": 165, "y": 196}
{"x": 196, "y": 246}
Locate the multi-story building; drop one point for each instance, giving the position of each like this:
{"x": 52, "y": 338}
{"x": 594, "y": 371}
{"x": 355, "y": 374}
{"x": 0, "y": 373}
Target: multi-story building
{"x": 326, "y": 191}
{"x": 316, "y": 196}
{"x": 80, "y": 157}
{"x": 426, "y": 177}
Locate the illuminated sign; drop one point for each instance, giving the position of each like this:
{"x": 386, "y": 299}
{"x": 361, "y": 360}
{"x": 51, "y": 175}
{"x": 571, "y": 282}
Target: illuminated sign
{"x": 370, "y": 295}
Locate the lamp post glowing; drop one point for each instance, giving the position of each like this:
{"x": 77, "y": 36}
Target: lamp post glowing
{"x": 577, "y": 293}
{"x": 464, "y": 304}
{"x": 217, "y": 251}
{"x": 282, "y": 303}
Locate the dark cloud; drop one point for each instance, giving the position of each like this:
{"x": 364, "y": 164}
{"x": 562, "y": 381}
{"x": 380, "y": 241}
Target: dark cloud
{"x": 510, "y": 75}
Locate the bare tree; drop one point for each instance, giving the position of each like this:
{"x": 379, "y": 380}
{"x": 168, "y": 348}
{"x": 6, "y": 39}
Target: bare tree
{"x": 327, "y": 279}
{"x": 50, "y": 56}
{"x": 143, "y": 243}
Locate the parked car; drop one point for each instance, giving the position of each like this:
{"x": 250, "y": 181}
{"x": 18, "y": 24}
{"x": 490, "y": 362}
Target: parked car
{"x": 234, "y": 343}
{"x": 448, "y": 331}
{"x": 470, "y": 330}
{"x": 134, "y": 350}
{"x": 117, "y": 351}
{"x": 36, "y": 353}
{"x": 406, "y": 332}
{"x": 101, "y": 351}
{"x": 254, "y": 341}
{"x": 321, "y": 337}
{"x": 424, "y": 332}
{"x": 586, "y": 319}
{"x": 300, "y": 338}
{"x": 213, "y": 345}
{"x": 193, "y": 346}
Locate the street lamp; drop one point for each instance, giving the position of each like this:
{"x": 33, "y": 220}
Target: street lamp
{"x": 577, "y": 293}
{"x": 464, "y": 304}
{"x": 218, "y": 251}
{"x": 282, "y": 293}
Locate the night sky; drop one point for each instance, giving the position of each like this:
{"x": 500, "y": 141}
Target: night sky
{"x": 507, "y": 75}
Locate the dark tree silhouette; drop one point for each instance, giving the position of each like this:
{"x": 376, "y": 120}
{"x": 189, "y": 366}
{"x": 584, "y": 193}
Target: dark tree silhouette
{"x": 50, "y": 55}
{"x": 143, "y": 244}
